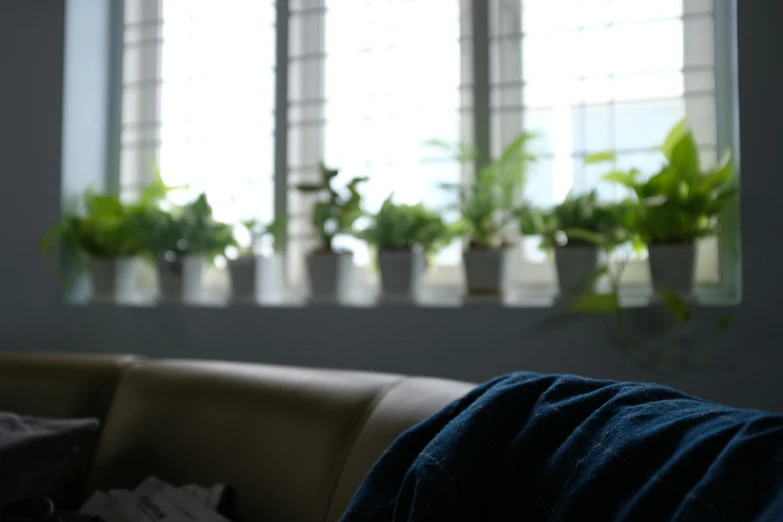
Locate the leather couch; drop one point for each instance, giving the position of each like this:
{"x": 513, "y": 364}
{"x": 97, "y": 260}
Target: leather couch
{"x": 294, "y": 443}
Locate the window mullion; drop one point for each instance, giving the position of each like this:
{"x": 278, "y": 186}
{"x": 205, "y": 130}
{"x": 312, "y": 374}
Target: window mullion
{"x": 281, "y": 111}
{"x": 481, "y": 82}
{"x": 114, "y": 109}
{"x": 727, "y": 120}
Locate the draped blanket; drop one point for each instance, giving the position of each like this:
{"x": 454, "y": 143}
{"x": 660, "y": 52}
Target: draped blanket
{"x": 533, "y": 447}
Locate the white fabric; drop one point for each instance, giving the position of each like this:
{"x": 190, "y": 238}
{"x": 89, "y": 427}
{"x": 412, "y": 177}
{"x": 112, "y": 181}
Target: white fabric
{"x": 155, "y": 501}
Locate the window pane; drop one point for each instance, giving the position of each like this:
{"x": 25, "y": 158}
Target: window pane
{"x": 215, "y": 114}
{"x": 392, "y": 77}
{"x": 604, "y": 75}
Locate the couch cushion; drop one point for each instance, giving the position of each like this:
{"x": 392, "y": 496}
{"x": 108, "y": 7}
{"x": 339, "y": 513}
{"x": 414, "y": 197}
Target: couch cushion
{"x": 280, "y": 436}
{"x": 403, "y": 406}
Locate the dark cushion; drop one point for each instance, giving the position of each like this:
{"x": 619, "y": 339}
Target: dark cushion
{"x": 34, "y": 452}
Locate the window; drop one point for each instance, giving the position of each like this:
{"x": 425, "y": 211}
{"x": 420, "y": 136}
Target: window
{"x": 596, "y": 75}
{"x": 369, "y": 82}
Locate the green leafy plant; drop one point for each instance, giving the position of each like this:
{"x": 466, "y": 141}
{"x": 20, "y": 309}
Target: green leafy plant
{"x": 680, "y": 202}
{"x": 677, "y": 205}
{"x": 491, "y": 202}
{"x": 336, "y": 213}
{"x": 580, "y": 220}
{"x": 277, "y": 230}
{"x": 190, "y": 229}
{"x": 106, "y": 229}
{"x": 402, "y": 227}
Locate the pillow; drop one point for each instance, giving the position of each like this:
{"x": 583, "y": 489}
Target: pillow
{"x": 34, "y": 452}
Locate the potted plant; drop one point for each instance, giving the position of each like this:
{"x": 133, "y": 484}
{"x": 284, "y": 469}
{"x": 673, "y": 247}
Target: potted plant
{"x": 105, "y": 241}
{"x": 487, "y": 207}
{"x": 404, "y": 236}
{"x": 331, "y": 270}
{"x": 576, "y": 230}
{"x": 676, "y": 207}
{"x": 252, "y": 274}
{"x": 183, "y": 241}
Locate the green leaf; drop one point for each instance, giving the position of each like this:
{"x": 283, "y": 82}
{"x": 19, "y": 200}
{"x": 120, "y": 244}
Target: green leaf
{"x": 326, "y": 173}
{"x": 673, "y": 138}
{"x": 278, "y": 229}
{"x": 461, "y": 152}
{"x": 310, "y": 187}
{"x": 722, "y": 322}
{"x": 600, "y": 157}
{"x": 157, "y": 190}
{"x": 581, "y": 234}
{"x": 722, "y": 175}
{"x": 662, "y": 184}
{"x": 625, "y": 178}
{"x": 685, "y": 154}
{"x": 595, "y": 303}
{"x": 676, "y": 304}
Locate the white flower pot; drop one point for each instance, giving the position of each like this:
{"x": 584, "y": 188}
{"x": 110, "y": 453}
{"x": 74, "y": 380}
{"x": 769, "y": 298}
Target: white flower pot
{"x": 331, "y": 275}
{"x": 401, "y": 273}
{"x": 673, "y": 266}
{"x": 114, "y": 279}
{"x": 256, "y": 277}
{"x": 486, "y": 271}
{"x": 576, "y": 267}
{"x": 180, "y": 279}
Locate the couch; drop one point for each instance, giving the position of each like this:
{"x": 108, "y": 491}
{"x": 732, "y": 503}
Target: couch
{"x": 294, "y": 443}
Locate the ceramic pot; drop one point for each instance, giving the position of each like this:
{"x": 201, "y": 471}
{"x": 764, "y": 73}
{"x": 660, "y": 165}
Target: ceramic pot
{"x": 331, "y": 274}
{"x": 673, "y": 266}
{"x": 253, "y": 278}
{"x": 486, "y": 271}
{"x": 113, "y": 279}
{"x": 576, "y": 267}
{"x": 180, "y": 279}
{"x": 402, "y": 272}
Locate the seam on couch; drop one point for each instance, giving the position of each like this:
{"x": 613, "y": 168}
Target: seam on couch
{"x": 362, "y": 422}
{"x": 124, "y": 367}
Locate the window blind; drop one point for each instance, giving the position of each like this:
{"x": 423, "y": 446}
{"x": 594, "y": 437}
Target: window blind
{"x": 595, "y": 75}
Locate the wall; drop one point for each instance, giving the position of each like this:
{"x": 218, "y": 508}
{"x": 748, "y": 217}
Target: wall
{"x": 470, "y": 343}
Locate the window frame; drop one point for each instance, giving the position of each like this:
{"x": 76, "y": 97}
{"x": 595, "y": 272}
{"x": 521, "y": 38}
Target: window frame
{"x": 726, "y": 290}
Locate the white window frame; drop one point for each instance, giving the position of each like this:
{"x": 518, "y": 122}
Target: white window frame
{"x": 532, "y": 278}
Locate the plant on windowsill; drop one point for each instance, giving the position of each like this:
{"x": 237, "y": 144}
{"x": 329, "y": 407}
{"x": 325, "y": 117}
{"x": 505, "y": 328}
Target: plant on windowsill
{"x": 672, "y": 210}
{"x": 675, "y": 208}
{"x": 576, "y": 230}
{"x": 488, "y": 206}
{"x": 334, "y": 213}
{"x": 106, "y": 240}
{"x": 252, "y": 273}
{"x": 183, "y": 240}
{"x": 404, "y": 236}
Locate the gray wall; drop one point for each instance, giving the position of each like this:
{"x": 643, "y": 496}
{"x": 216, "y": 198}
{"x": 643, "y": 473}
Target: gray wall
{"x": 471, "y": 343}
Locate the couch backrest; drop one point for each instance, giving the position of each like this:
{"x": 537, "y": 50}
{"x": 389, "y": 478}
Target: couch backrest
{"x": 56, "y": 385}
{"x": 294, "y": 443}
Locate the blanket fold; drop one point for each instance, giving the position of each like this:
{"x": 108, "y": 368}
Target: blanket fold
{"x": 557, "y": 448}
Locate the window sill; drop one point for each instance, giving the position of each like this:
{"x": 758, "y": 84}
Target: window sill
{"x": 442, "y": 296}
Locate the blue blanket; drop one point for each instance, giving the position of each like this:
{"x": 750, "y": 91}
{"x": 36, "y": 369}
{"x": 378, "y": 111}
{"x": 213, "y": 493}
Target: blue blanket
{"x": 535, "y": 447}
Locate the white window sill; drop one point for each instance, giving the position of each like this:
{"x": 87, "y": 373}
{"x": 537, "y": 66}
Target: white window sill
{"x": 440, "y": 296}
